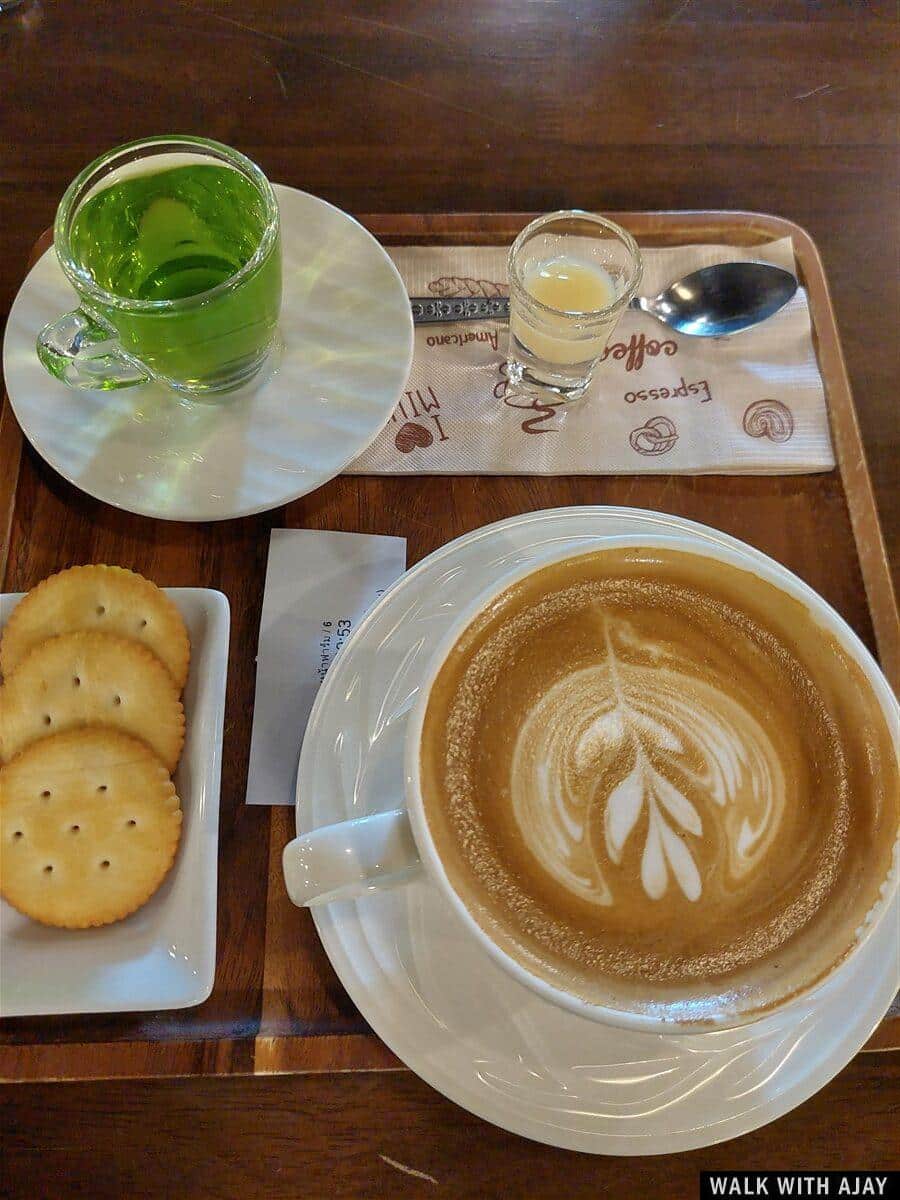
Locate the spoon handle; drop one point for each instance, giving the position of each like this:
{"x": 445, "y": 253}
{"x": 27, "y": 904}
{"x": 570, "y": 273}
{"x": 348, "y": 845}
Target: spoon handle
{"x": 434, "y": 310}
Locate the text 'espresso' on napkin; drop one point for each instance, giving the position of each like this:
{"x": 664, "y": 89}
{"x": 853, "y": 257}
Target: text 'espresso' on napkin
{"x": 319, "y": 585}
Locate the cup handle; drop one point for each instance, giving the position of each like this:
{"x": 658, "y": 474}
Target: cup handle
{"x": 339, "y": 862}
{"x": 84, "y": 354}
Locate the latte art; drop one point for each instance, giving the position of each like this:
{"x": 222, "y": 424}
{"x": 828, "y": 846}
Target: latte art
{"x": 694, "y": 758}
{"x": 644, "y": 772}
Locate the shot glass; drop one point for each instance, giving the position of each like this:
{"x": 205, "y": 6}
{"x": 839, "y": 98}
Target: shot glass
{"x": 571, "y": 276}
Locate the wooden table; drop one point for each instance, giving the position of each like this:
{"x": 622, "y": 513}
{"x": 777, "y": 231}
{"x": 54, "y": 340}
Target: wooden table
{"x": 402, "y": 106}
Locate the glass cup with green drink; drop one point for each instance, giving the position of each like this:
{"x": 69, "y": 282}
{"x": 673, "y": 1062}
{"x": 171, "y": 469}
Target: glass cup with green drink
{"x": 173, "y": 247}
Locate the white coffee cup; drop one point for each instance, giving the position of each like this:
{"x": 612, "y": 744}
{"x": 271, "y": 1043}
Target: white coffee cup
{"x": 367, "y": 854}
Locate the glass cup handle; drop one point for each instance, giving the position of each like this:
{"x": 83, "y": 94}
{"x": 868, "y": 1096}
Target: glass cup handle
{"x": 84, "y": 354}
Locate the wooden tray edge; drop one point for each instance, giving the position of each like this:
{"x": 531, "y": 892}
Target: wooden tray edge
{"x": 848, "y": 444}
{"x": 73, "y": 1062}
{"x": 12, "y": 440}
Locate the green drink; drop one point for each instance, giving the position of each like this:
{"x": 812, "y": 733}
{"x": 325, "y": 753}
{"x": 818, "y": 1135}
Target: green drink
{"x": 178, "y": 267}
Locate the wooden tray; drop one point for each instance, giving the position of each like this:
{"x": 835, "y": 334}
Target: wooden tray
{"x": 277, "y": 1004}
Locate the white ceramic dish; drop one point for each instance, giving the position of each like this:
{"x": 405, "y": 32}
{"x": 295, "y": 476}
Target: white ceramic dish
{"x": 441, "y": 1003}
{"x": 164, "y": 955}
{"x": 347, "y": 335}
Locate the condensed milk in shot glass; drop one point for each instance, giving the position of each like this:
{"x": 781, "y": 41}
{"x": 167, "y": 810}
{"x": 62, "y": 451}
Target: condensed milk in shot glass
{"x": 571, "y": 276}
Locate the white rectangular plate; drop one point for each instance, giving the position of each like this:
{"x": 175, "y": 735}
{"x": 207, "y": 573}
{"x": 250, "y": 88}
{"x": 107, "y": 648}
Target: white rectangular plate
{"x": 164, "y": 955}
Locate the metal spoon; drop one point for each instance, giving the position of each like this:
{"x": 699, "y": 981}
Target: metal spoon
{"x": 722, "y": 299}
{"x": 711, "y": 302}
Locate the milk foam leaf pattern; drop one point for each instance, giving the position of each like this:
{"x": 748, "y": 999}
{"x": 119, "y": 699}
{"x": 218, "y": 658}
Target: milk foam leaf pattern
{"x": 622, "y": 811}
{"x": 676, "y": 804}
{"x": 665, "y": 737}
{"x": 653, "y": 862}
{"x": 679, "y": 859}
{"x": 607, "y": 730}
{"x": 624, "y": 806}
{"x": 639, "y": 746}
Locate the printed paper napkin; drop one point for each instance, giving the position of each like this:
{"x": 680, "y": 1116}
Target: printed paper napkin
{"x": 660, "y": 402}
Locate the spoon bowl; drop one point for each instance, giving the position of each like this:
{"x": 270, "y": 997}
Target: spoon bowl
{"x": 721, "y": 300}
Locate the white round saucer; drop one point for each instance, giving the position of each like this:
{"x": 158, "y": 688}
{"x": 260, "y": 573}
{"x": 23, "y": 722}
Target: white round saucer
{"x": 346, "y": 339}
{"x": 433, "y": 995}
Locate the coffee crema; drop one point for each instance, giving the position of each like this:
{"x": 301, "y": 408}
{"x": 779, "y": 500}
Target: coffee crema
{"x": 657, "y": 781}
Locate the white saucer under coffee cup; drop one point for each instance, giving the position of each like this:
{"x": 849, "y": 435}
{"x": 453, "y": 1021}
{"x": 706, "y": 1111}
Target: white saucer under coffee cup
{"x": 351, "y": 858}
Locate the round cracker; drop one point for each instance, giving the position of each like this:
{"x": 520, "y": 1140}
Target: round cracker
{"x": 89, "y": 826}
{"x": 106, "y": 599}
{"x": 81, "y": 679}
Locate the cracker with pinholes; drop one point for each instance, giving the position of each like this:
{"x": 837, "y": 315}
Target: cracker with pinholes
{"x": 89, "y": 827}
{"x": 81, "y": 679}
{"x": 104, "y": 599}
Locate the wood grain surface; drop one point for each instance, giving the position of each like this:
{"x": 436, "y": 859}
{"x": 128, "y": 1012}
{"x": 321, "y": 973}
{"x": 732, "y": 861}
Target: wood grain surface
{"x": 394, "y": 107}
